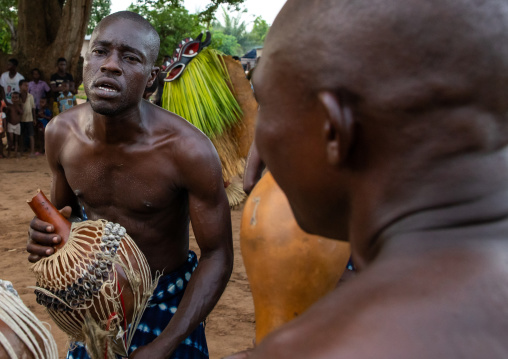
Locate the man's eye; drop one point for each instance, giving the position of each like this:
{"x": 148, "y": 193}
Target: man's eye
{"x": 132, "y": 58}
{"x": 98, "y": 52}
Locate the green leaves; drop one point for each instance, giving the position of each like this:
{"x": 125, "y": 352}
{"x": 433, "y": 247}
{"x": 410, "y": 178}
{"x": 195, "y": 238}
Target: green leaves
{"x": 235, "y": 27}
{"x": 202, "y": 95}
{"x": 227, "y": 44}
{"x": 172, "y": 21}
{"x": 259, "y": 31}
{"x": 8, "y": 25}
{"x": 100, "y": 9}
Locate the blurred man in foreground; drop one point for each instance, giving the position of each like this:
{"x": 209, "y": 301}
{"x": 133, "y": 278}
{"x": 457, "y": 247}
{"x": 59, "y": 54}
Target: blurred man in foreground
{"x": 392, "y": 131}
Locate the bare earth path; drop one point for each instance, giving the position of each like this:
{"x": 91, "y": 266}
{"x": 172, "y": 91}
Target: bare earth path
{"x": 230, "y": 327}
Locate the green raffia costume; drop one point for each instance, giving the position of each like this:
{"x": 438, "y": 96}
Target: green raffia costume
{"x": 199, "y": 89}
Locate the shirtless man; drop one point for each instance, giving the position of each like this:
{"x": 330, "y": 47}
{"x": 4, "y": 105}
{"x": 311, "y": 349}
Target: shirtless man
{"x": 394, "y": 134}
{"x": 121, "y": 158}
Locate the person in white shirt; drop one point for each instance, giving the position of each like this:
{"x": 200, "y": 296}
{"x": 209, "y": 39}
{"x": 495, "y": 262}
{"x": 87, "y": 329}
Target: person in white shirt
{"x": 9, "y": 81}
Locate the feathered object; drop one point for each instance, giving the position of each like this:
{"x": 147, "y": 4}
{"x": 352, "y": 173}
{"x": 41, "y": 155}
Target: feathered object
{"x": 199, "y": 89}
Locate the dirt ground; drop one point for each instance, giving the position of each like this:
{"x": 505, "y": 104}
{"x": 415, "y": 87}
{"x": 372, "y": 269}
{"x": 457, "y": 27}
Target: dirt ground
{"x": 230, "y": 327}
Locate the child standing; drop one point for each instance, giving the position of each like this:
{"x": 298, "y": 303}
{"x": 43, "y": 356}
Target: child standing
{"x": 14, "y": 116}
{"x": 44, "y": 115}
{"x": 28, "y": 120}
{"x": 66, "y": 99}
{"x": 37, "y": 87}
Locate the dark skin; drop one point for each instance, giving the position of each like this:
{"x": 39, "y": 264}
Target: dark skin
{"x": 370, "y": 150}
{"x": 14, "y": 113}
{"x": 36, "y": 76}
{"x": 23, "y": 94}
{"x": 12, "y": 69}
{"x": 254, "y": 168}
{"x": 168, "y": 168}
{"x": 62, "y": 71}
{"x": 43, "y": 105}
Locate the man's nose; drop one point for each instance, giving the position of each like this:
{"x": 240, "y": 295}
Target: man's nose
{"x": 112, "y": 64}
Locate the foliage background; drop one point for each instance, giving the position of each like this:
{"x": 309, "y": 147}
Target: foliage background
{"x": 223, "y": 18}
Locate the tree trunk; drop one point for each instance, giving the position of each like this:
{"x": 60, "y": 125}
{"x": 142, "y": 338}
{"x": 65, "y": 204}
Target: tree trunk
{"x": 49, "y": 29}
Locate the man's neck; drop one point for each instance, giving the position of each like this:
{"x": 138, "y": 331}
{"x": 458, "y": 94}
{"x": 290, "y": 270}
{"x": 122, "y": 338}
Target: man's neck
{"x": 125, "y": 127}
{"x": 60, "y": 73}
{"x": 465, "y": 199}
{"x": 12, "y": 73}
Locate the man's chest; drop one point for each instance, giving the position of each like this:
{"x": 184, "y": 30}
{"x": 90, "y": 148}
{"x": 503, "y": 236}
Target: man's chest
{"x": 137, "y": 182}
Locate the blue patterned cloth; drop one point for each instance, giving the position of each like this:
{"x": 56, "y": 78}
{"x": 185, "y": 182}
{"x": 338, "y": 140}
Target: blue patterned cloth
{"x": 350, "y": 264}
{"x": 162, "y": 306}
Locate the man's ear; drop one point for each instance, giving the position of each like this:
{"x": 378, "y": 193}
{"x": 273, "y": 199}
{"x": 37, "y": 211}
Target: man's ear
{"x": 338, "y": 127}
{"x": 153, "y": 76}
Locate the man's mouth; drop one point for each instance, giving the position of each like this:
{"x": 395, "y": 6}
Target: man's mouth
{"x": 107, "y": 88}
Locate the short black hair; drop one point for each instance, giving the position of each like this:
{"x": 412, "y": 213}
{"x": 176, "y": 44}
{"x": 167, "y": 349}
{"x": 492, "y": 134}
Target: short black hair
{"x": 14, "y": 62}
{"x": 21, "y": 82}
{"x": 60, "y": 59}
{"x": 14, "y": 93}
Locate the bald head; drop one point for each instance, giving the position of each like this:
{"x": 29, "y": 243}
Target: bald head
{"x": 400, "y": 91}
{"x": 398, "y": 54}
{"x": 152, "y": 38}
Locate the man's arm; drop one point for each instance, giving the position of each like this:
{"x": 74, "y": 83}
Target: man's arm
{"x": 253, "y": 169}
{"x": 211, "y": 221}
{"x": 41, "y": 234}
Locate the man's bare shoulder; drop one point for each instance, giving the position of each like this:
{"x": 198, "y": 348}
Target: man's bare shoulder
{"x": 410, "y": 317}
{"x": 188, "y": 141}
{"x": 61, "y": 124}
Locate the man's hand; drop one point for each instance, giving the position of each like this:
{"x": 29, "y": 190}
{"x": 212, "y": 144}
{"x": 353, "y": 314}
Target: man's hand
{"x": 41, "y": 237}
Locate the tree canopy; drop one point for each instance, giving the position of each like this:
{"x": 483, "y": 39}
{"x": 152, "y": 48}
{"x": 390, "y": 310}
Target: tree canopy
{"x": 39, "y": 32}
{"x": 171, "y": 20}
{"x": 8, "y": 25}
{"x": 100, "y": 9}
{"x": 234, "y": 27}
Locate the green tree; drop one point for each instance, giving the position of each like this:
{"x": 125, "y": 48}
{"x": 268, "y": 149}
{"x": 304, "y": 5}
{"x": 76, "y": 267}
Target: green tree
{"x": 226, "y": 43}
{"x": 233, "y": 26}
{"x": 208, "y": 15}
{"x": 8, "y": 25}
{"x": 100, "y": 9}
{"x": 205, "y": 17}
{"x": 39, "y": 32}
{"x": 259, "y": 31}
{"x": 171, "y": 20}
